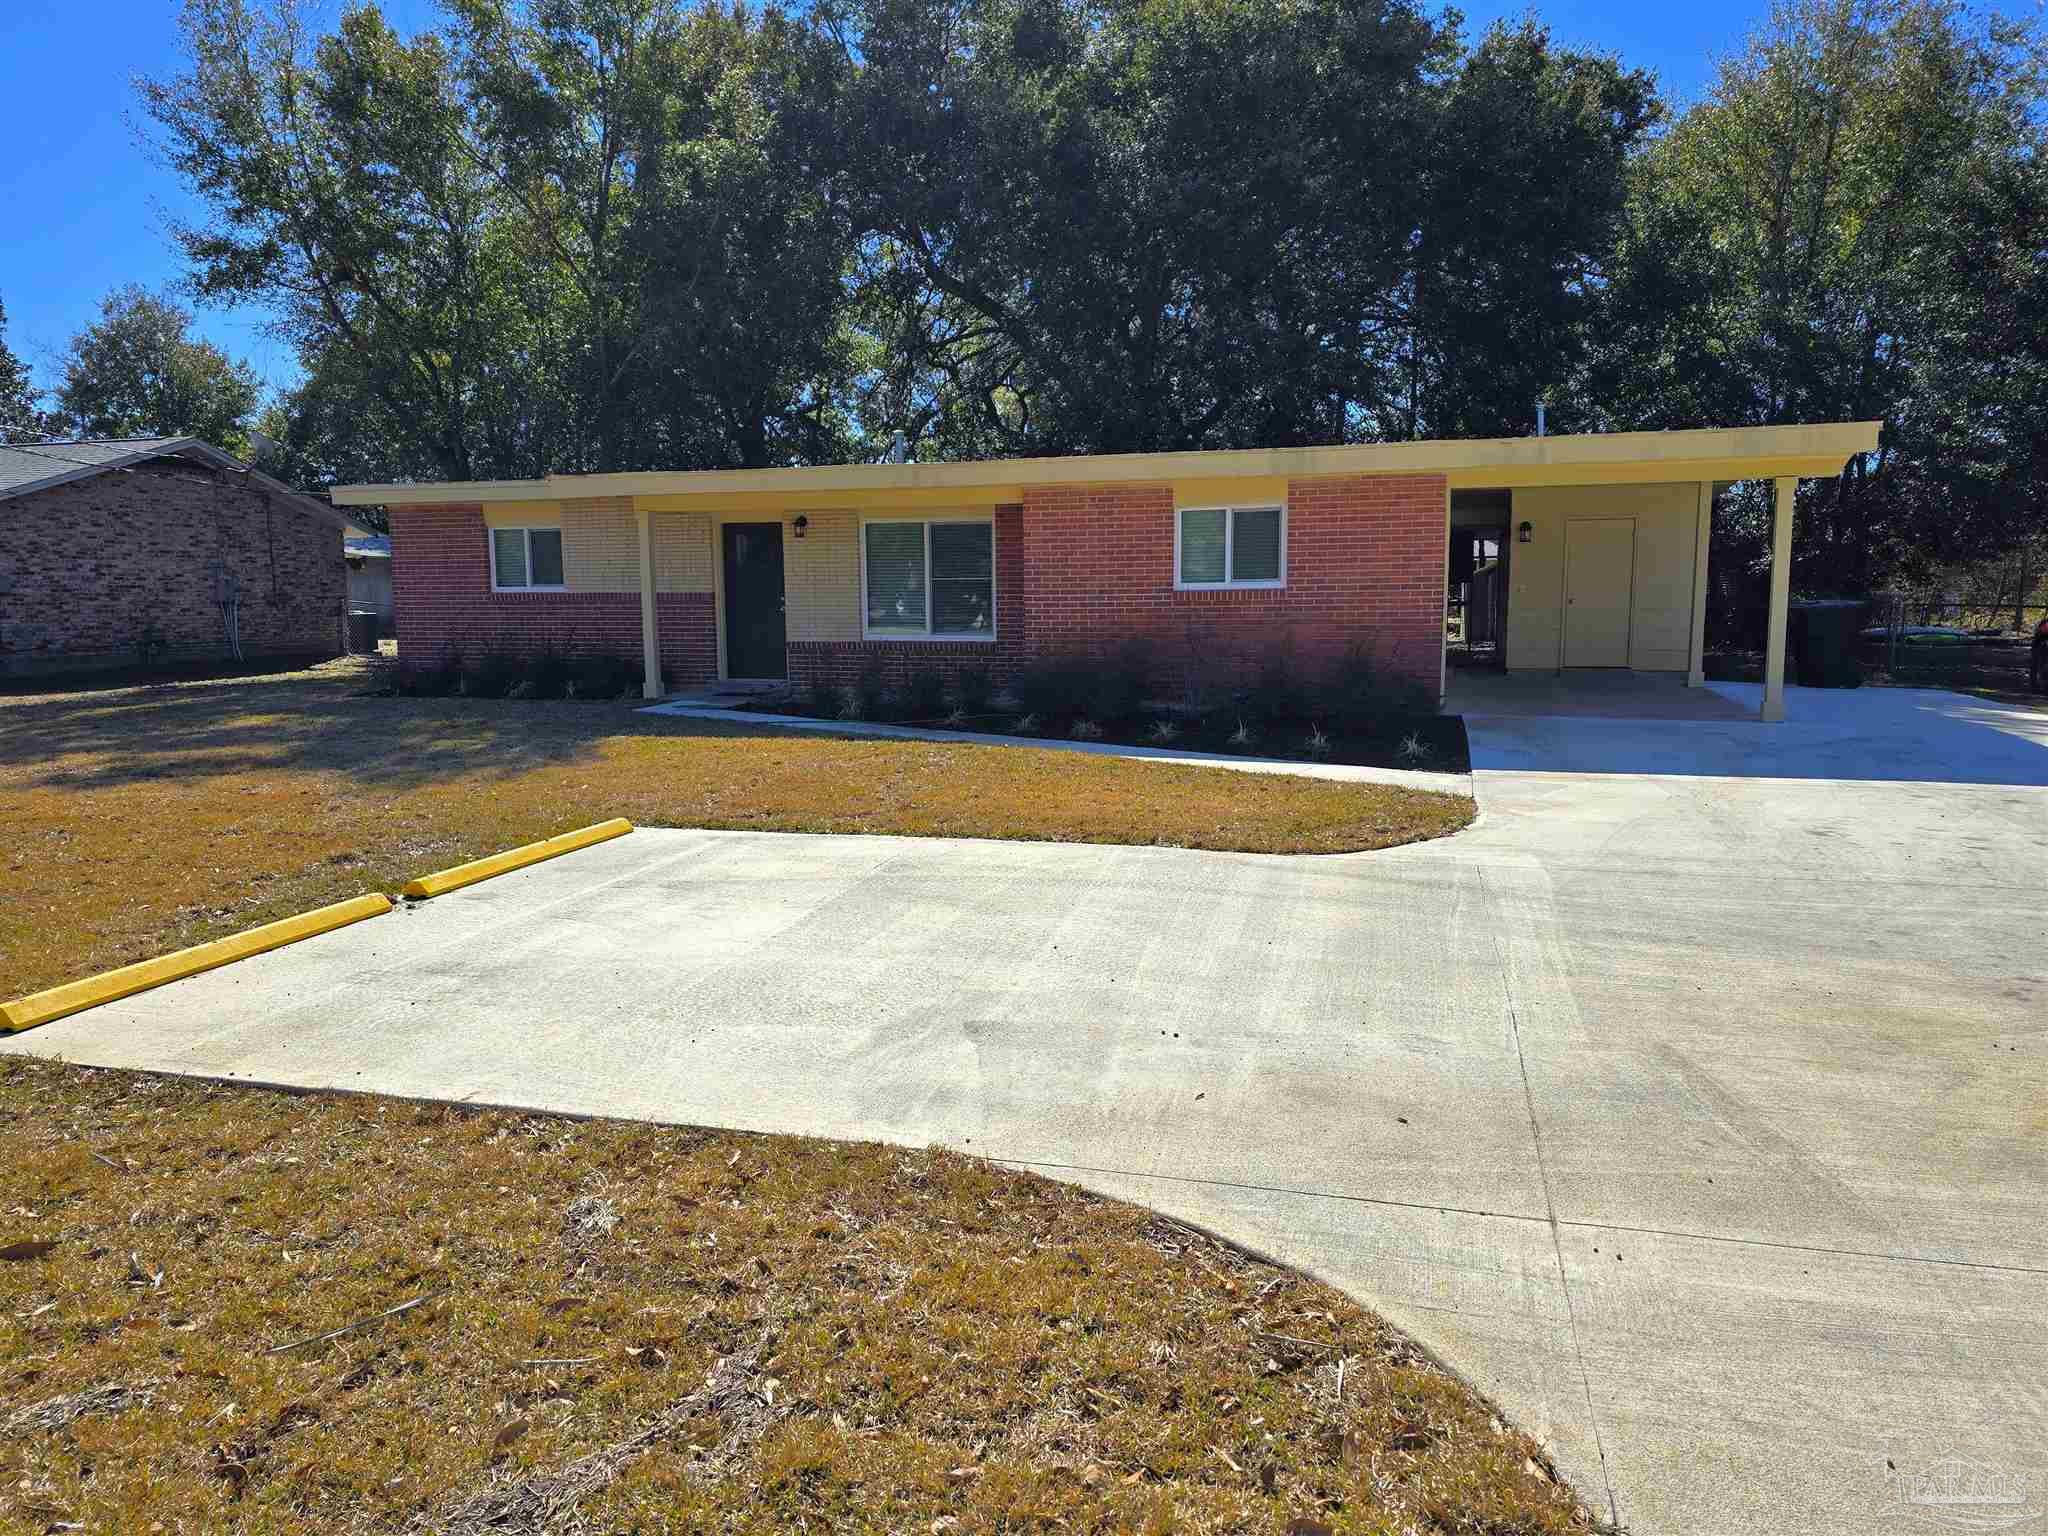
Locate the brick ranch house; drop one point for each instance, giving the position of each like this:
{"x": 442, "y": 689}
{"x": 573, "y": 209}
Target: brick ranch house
{"x": 167, "y": 545}
{"x": 1215, "y": 557}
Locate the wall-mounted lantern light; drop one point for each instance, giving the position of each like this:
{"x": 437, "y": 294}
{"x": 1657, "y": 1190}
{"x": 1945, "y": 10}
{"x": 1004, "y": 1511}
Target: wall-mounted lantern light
{"x": 802, "y": 522}
{"x": 1524, "y": 533}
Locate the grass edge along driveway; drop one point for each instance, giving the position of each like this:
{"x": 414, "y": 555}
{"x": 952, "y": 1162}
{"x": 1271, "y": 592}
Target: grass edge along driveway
{"x": 138, "y": 821}
{"x": 641, "y": 1327}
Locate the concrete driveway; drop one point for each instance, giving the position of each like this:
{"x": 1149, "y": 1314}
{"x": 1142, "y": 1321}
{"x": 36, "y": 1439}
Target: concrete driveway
{"x": 1700, "y": 1120}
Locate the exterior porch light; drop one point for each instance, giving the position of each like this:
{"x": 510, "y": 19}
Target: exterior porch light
{"x": 802, "y": 522}
{"x": 1525, "y": 533}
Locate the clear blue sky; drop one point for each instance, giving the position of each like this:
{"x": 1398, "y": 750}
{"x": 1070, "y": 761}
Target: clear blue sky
{"x": 88, "y": 206}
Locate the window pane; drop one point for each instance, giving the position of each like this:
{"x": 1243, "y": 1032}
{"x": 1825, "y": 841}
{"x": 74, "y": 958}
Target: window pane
{"x": 508, "y": 549}
{"x": 1201, "y": 545}
{"x": 547, "y": 557}
{"x": 1255, "y": 544}
{"x": 963, "y": 579}
{"x": 896, "y": 576}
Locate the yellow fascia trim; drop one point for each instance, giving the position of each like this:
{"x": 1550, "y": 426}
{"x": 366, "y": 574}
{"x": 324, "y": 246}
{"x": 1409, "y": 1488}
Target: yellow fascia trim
{"x": 523, "y": 514}
{"x": 1641, "y": 472}
{"x": 1720, "y": 453}
{"x": 455, "y": 879}
{"x": 769, "y": 506}
{"x": 76, "y": 996}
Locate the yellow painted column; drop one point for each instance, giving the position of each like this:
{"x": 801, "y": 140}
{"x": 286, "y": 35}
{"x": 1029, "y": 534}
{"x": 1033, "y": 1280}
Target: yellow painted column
{"x": 1781, "y": 600}
{"x": 1696, "y": 669}
{"x": 650, "y": 631}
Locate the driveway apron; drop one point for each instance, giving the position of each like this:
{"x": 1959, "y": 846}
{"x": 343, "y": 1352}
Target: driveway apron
{"x": 1696, "y": 1119}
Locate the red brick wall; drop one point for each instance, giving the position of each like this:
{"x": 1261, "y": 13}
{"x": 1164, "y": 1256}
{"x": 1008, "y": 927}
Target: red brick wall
{"x": 1365, "y": 567}
{"x": 84, "y": 567}
{"x": 1077, "y": 569}
{"x": 441, "y": 579}
{"x": 841, "y": 661}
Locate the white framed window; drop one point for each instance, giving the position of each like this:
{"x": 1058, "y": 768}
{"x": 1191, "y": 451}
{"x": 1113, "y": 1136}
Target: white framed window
{"x": 526, "y": 560}
{"x": 928, "y": 580}
{"x": 1215, "y": 547}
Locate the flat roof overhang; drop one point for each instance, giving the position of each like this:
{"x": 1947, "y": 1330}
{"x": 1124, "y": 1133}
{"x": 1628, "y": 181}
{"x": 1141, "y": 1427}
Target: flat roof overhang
{"x": 1610, "y": 458}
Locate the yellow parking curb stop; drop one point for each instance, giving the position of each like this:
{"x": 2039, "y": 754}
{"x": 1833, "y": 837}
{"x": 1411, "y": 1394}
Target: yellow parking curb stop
{"x": 515, "y": 858}
{"x": 75, "y": 996}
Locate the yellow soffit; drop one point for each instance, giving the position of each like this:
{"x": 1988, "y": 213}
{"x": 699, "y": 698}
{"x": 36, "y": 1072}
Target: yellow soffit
{"x": 1716, "y": 453}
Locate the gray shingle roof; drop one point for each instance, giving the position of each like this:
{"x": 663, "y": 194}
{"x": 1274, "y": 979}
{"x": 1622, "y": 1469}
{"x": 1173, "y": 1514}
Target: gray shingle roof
{"x": 26, "y": 467}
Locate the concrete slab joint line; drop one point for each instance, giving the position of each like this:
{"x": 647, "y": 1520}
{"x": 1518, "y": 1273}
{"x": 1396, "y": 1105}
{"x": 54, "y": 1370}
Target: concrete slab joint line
{"x": 1508, "y": 988}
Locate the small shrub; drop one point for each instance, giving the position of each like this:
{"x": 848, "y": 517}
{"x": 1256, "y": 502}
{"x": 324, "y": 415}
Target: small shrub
{"x": 870, "y": 691}
{"x": 436, "y": 681}
{"x": 1054, "y": 685}
{"x": 150, "y": 643}
{"x": 1122, "y": 681}
{"x": 958, "y": 718}
{"x": 822, "y": 698}
{"x": 1358, "y": 699}
{"x": 548, "y": 675}
{"x": 601, "y": 677}
{"x": 1024, "y": 725}
{"x": 1317, "y": 746}
{"x": 924, "y": 693}
{"x": 1086, "y": 730}
{"x": 1276, "y": 694}
{"x": 1164, "y": 732}
{"x": 495, "y": 676}
{"x": 1244, "y": 737}
{"x": 974, "y": 685}
{"x": 1413, "y": 749}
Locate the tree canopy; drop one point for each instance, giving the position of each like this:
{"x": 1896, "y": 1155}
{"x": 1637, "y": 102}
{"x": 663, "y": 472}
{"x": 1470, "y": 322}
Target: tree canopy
{"x": 21, "y": 419}
{"x": 561, "y": 235}
{"x": 138, "y": 372}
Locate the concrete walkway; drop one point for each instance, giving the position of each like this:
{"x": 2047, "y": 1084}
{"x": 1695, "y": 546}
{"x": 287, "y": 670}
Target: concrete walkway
{"x": 1346, "y": 773}
{"x": 1699, "y": 1120}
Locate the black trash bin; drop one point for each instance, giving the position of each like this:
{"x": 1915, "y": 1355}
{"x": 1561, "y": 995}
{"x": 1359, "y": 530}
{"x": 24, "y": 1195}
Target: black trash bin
{"x": 362, "y": 632}
{"x": 1822, "y": 640}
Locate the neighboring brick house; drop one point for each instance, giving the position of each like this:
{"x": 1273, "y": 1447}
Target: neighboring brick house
{"x": 165, "y": 546}
{"x": 1218, "y": 561}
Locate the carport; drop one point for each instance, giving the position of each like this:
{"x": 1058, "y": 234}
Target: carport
{"x": 1586, "y": 566}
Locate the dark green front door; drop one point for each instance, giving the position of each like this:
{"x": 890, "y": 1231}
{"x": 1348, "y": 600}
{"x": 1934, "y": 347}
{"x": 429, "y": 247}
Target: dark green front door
{"x": 756, "y": 643}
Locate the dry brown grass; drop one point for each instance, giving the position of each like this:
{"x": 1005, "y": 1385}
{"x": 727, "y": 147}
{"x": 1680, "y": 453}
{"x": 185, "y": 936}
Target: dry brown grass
{"x": 139, "y": 820}
{"x": 764, "y": 1334}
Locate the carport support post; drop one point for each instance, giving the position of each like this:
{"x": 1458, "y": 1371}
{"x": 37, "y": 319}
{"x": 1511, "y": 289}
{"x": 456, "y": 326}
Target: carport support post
{"x": 650, "y": 635}
{"x": 1781, "y": 600}
{"x": 1696, "y": 665}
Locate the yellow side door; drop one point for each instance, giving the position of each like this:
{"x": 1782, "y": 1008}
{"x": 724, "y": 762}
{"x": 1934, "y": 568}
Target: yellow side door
{"x": 1599, "y": 574}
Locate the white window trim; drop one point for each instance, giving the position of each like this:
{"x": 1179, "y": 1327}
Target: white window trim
{"x": 927, "y": 637}
{"x": 527, "y": 532}
{"x": 1229, "y": 548}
